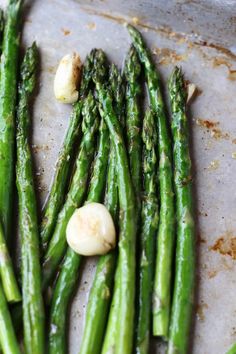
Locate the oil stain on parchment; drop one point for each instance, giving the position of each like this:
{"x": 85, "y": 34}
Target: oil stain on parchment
{"x": 226, "y": 245}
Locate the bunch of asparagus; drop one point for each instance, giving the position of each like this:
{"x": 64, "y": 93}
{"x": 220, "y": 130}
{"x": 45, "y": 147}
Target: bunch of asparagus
{"x": 118, "y": 317}
{"x": 134, "y": 164}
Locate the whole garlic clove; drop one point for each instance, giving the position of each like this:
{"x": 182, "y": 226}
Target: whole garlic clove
{"x": 67, "y": 78}
{"x": 91, "y": 231}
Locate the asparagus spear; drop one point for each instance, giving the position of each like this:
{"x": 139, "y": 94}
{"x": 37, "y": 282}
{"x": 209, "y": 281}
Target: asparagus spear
{"x": 9, "y": 282}
{"x": 126, "y": 262}
{"x": 8, "y": 89}
{"x": 232, "y": 350}
{"x": 33, "y": 311}
{"x": 148, "y": 232}
{"x": 68, "y": 276}
{"x": 132, "y": 71}
{"x": 166, "y": 239}
{"x": 2, "y": 25}
{"x": 77, "y": 191}
{"x": 185, "y": 255}
{"x": 117, "y": 87}
{"x": 100, "y": 294}
{"x": 8, "y": 339}
{"x": 8, "y": 279}
{"x": 65, "y": 284}
{"x": 60, "y": 181}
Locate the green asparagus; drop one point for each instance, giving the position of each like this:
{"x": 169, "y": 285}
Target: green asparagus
{"x": 8, "y": 279}
{"x": 185, "y": 256}
{"x": 149, "y": 227}
{"x": 111, "y": 200}
{"x": 2, "y": 25}
{"x": 9, "y": 282}
{"x": 77, "y": 191}
{"x": 60, "y": 181}
{"x": 100, "y": 294}
{"x": 232, "y": 350}
{"x": 125, "y": 276}
{"x": 68, "y": 276}
{"x": 132, "y": 71}
{"x": 62, "y": 293}
{"x": 8, "y": 89}
{"x": 166, "y": 231}
{"x": 33, "y": 310}
{"x": 117, "y": 87}
{"x": 8, "y": 339}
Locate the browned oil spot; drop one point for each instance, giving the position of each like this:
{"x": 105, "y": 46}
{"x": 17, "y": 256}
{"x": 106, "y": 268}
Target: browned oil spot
{"x": 91, "y": 25}
{"x": 218, "y": 61}
{"x": 108, "y": 16}
{"x": 219, "y": 48}
{"x": 200, "y": 311}
{"x": 226, "y": 245}
{"x": 234, "y": 141}
{"x": 232, "y": 75}
{"x": 218, "y": 134}
{"x": 223, "y": 50}
{"x": 168, "y": 56}
{"x": 211, "y": 274}
{"x": 211, "y": 126}
{"x": 65, "y": 31}
{"x": 38, "y": 148}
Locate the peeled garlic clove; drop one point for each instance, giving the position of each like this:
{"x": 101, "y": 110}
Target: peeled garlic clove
{"x": 67, "y": 78}
{"x": 91, "y": 231}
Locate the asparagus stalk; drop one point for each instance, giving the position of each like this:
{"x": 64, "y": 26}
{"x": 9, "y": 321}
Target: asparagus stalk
{"x": 65, "y": 284}
{"x": 77, "y": 191}
{"x": 166, "y": 231}
{"x": 185, "y": 256}
{"x": 232, "y": 350}
{"x": 69, "y": 273}
{"x": 9, "y": 282}
{"x": 59, "y": 186}
{"x": 117, "y": 87}
{"x": 2, "y": 25}
{"x": 8, "y": 279}
{"x": 8, "y": 89}
{"x": 149, "y": 227}
{"x": 126, "y": 262}
{"x": 33, "y": 311}
{"x": 98, "y": 305}
{"x": 8, "y": 339}
{"x": 132, "y": 71}
{"x": 100, "y": 294}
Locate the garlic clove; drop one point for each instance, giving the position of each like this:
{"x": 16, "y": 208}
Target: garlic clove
{"x": 67, "y": 78}
{"x": 91, "y": 231}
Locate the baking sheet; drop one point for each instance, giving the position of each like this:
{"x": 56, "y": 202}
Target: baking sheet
{"x": 63, "y": 26}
